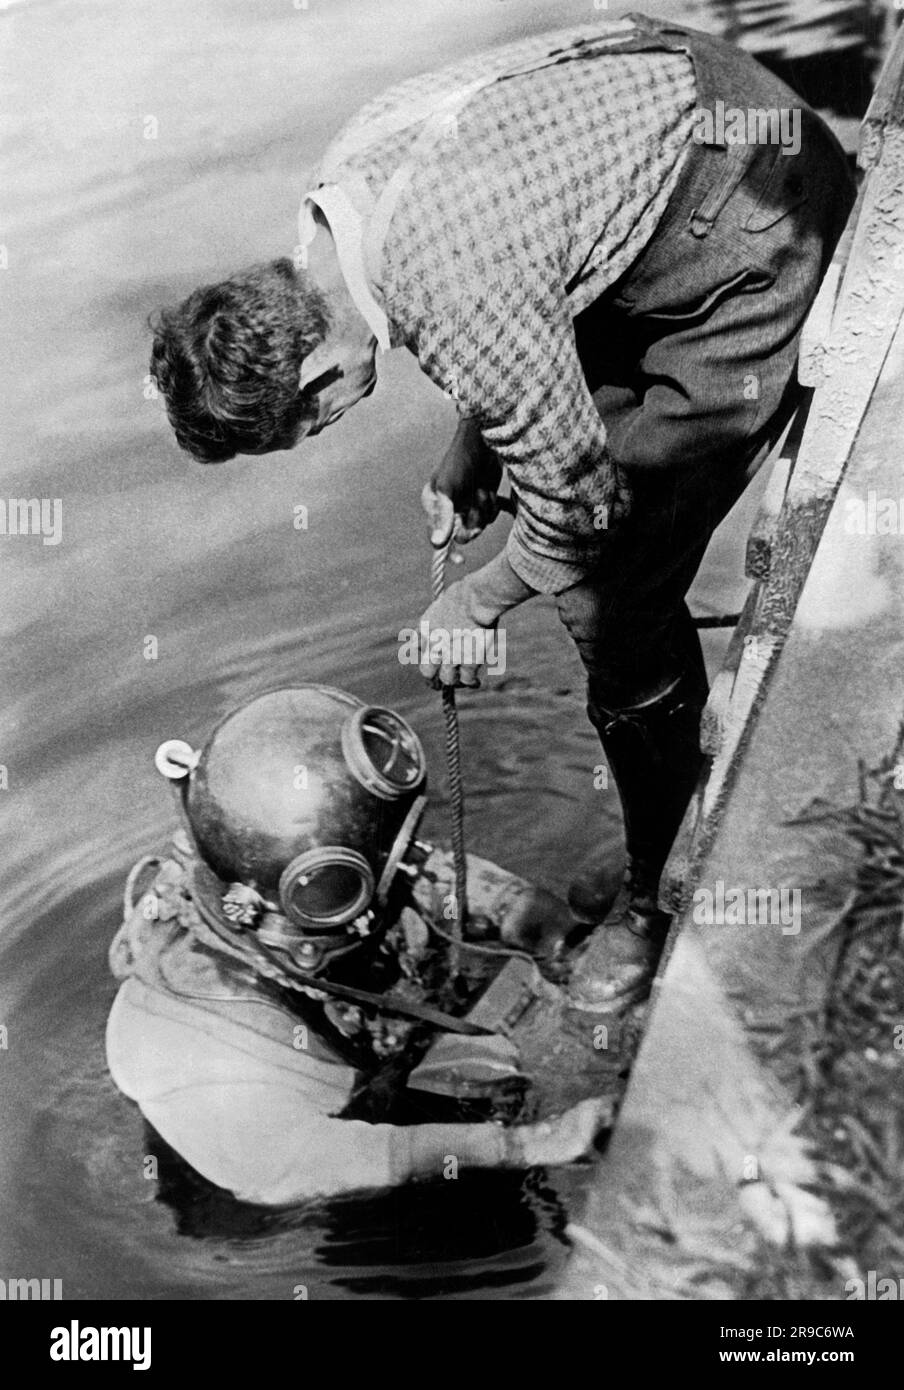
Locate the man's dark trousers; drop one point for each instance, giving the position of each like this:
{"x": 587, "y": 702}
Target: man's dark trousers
{"x": 692, "y": 356}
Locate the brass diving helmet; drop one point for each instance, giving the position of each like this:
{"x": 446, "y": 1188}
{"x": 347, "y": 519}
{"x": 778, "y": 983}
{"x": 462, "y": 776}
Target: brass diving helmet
{"x": 302, "y": 805}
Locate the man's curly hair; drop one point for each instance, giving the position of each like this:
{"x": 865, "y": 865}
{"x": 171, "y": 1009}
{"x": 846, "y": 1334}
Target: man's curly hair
{"x": 227, "y": 360}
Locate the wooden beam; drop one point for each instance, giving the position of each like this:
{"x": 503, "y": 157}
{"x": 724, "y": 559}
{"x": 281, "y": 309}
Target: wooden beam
{"x": 886, "y": 110}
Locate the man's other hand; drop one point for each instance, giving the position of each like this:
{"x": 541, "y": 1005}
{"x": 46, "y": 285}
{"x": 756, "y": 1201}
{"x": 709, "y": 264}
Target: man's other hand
{"x": 441, "y": 516}
{"x": 469, "y": 475}
{"x": 461, "y": 625}
{"x": 454, "y": 635}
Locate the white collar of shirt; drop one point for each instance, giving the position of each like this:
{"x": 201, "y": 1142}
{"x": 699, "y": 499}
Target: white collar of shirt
{"x": 347, "y": 229}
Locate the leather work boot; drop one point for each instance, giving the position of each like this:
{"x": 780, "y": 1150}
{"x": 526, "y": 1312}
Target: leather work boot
{"x": 653, "y": 751}
{"x": 593, "y": 896}
{"x": 620, "y": 960}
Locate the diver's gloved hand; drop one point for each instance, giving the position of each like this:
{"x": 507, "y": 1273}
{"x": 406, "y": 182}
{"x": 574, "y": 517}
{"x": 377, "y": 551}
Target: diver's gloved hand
{"x": 460, "y": 622}
{"x": 464, "y": 488}
{"x": 420, "y": 1151}
{"x": 565, "y": 1137}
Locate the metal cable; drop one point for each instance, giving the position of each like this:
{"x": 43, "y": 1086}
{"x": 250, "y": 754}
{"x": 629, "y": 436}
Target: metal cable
{"x": 453, "y": 772}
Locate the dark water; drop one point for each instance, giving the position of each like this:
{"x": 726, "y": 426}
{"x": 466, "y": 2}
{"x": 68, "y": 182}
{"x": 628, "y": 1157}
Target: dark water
{"x": 102, "y": 225}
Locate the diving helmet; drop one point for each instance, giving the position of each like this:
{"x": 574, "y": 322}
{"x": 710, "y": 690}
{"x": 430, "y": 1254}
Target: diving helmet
{"x": 302, "y": 805}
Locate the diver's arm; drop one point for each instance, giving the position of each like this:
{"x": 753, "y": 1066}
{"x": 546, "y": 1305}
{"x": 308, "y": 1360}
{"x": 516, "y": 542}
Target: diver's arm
{"x": 432, "y": 1151}
{"x": 435, "y": 1151}
{"x": 260, "y": 1130}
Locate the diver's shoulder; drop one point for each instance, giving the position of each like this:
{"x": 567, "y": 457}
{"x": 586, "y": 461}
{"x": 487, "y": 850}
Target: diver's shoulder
{"x": 142, "y": 1055}
{"x": 159, "y": 1044}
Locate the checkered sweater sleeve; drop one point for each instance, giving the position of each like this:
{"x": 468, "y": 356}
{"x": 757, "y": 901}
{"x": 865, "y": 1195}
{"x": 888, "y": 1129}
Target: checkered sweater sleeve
{"x": 505, "y": 351}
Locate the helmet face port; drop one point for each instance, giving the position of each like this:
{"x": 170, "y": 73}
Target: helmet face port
{"x": 383, "y": 752}
{"x": 326, "y": 887}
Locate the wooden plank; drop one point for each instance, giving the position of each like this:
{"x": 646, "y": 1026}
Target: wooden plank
{"x": 727, "y": 734}
{"x": 886, "y": 110}
{"x": 695, "y": 832}
{"x": 715, "y": 711}
{"x": 761, "y": 651}
{"x": 818, "y": 326}
{"x": 869, "y": 308}
{"x": 758, "y": 554}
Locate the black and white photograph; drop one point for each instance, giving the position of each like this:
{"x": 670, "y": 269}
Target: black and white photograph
{"x": 452, "y": 719}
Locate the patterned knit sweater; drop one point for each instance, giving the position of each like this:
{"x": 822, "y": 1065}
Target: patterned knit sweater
{"x": 537, "y": 195}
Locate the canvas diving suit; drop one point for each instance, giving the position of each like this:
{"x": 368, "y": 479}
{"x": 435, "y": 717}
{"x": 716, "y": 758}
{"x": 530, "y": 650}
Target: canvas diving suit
{"x": 261, "y": 1092}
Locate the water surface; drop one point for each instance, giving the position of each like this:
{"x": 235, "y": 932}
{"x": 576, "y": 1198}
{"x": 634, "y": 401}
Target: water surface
{"x": 102, "y": 225}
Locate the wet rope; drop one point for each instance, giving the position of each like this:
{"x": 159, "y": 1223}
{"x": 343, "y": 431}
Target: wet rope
{"x": 456, "y": 787}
